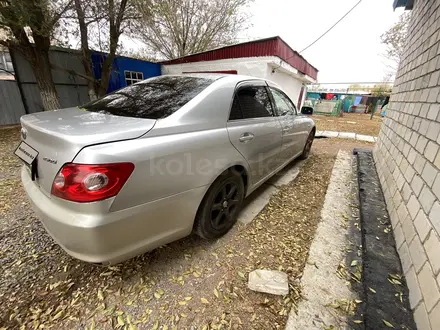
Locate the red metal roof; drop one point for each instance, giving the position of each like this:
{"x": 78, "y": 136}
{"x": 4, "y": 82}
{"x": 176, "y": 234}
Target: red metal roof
{"x": 274, "y": 46}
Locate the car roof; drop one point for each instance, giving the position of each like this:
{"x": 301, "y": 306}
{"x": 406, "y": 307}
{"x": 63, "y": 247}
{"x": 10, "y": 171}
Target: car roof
{"x": 217, "y": 76}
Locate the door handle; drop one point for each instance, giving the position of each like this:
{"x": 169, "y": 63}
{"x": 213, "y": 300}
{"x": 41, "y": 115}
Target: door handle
{"x": 286, "y": 129}
{"x": 246, "y": 137}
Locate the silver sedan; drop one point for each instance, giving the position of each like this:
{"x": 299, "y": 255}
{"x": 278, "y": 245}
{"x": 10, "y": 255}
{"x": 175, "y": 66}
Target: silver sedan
{"x": 152, "y": 162}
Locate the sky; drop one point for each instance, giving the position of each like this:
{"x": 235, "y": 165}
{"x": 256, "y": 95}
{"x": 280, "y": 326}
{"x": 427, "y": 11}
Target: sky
{"x": 350, "y": 52}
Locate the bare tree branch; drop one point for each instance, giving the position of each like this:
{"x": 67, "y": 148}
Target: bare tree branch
{"x": 174, "y": 28}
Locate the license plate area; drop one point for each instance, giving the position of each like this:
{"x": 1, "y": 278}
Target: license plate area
{"x": 29, "y": 156}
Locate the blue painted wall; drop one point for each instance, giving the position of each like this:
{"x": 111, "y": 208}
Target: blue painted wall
{"x": 120, "y": 65}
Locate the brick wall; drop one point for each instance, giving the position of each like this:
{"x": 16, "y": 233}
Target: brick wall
{"x": 408, "y": 162}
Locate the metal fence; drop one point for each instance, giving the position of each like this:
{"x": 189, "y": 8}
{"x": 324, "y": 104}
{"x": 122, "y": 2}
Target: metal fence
{"x": 23, "y": 96}
{"x": 11, "y": 104}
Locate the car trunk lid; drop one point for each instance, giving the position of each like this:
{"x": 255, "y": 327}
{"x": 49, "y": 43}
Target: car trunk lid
{"x": 59, "y": 135}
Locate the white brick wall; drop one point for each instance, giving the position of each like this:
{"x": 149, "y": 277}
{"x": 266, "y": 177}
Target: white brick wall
{"x": 407, "y": 156}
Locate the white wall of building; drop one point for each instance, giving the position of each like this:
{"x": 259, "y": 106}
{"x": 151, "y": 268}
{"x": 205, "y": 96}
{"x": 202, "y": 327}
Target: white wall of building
{"x": 262, "y": 67}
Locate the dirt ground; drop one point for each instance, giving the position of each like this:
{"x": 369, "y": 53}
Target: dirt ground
{"x": 350, "y": 122}
{"x": 188, "y": 284}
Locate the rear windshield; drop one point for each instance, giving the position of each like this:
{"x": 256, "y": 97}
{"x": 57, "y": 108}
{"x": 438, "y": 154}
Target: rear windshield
{"x": 154, "y": 99}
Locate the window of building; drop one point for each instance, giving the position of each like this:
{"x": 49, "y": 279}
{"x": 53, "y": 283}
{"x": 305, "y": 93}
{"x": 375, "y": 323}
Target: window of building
{"x": 282, "y": 103}
{"x": 6, "y": 66}
{"x": 132, "y": 77}
{"x": 254, "y": 102}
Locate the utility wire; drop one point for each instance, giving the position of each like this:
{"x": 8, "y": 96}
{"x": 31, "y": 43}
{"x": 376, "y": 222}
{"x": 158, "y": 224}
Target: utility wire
{"x": 332, "y": 26}
{"x": 281, "y": 61}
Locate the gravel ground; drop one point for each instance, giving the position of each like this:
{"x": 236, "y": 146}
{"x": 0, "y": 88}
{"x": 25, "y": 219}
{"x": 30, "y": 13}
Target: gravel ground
{"x": 191, "y": 283}
{"x": 350, "y": 122}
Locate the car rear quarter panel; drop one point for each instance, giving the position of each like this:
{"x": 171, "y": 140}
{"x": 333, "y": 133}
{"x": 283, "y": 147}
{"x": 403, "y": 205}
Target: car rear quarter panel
{"x": 166, "y": 165}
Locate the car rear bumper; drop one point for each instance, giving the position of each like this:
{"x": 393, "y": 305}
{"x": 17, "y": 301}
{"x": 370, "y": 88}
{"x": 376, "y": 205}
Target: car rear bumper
{"x": 96, "y": 235}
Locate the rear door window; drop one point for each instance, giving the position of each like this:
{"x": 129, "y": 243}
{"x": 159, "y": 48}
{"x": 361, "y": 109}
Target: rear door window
{"x": 254, "y": 102}
{"x": 283, "y": 104}
{"x": 155, "y": 98}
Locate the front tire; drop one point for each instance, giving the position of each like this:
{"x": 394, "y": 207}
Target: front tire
{"x": 308, "y": 146}
{"x": 219, "y": 209}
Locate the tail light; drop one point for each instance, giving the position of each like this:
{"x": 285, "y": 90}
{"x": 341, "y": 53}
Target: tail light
{"x": 90, "y": 183}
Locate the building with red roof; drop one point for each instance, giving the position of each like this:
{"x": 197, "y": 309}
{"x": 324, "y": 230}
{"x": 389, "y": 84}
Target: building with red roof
{"x": 270, "y": 58}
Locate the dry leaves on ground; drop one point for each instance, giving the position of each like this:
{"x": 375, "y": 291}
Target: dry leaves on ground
{"x": 191, "y": 282}
{"x": 350, "y": 122}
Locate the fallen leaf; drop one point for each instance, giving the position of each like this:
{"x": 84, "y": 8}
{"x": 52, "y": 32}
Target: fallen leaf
{"x": 58, "y": 315}
{"x": 358, "y": 321}
{"x": 204, "y": 301}
{"x": 354, "y": 263}
{"x": 100, "y": 295}
{"x": 121, "y": 321}
{"x": 155, "y": 325}
{"x": 241, "y": 274}
{"x": 372, "y": 290}
{"x": 388, "y": 324}
{"x": 215, "y": 292}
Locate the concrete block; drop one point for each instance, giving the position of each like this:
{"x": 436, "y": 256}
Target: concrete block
{"x": 434, "y": 317}
{"x": 422, "y": 225}
{"x": 421, "y": 318}
{"x": 409, "y": 173}
{"x": 433, "y": 111}
{"x": 436, "y": 187}
{"x": 425, "y": 106}
{"x": 404, "y": 165}
{"x": 412, "y": 154}
{"x": 347, "y": 135}
{"x": 405, "y": 258}
{"x": 433, "y": 80}
{"x": 433, "y": 130}
{"x": 432, "y": 247}
{"x": 400, "y": 181}
{"x": 417, "y": 184}
{"x": 421, "y": 144}
{"x": 414, "y": 138}
{"x": 398, "y": 236}
{"x": 426, "y": 199}
{"x": 366, "y": 138}
{"x": 417, "y": 121}
{"x": 431, "y": 151}
{"x": 424, "y": 126}
{"x": 402, "y": 211}
{"x": 428, "y": 286}
{"x": 419, "y": 164}
{"x": 429, "y": 174}
{"x": 330, "y": 134}
{"x": 434, "y": 216}
{"x": 413, "y": 206}
{"x": 415, "y": 295}
{"x": 437, "y": 161}
{"x": 417, "y": 252}
{"x": 424, "y": 98}
{"x": 406, "y": 192}
{"x": 269, "y": 281}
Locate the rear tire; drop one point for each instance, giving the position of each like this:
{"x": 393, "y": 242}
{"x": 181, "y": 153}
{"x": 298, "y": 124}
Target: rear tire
{"x": 219, "y": 209}
{"x": 308, "y": 146}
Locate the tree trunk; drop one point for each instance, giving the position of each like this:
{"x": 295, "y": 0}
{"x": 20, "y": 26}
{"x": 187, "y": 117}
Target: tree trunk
{"x": 107, "y": 68}
{"x": 43, "y": 74}
{"x": 85, "y": 51}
